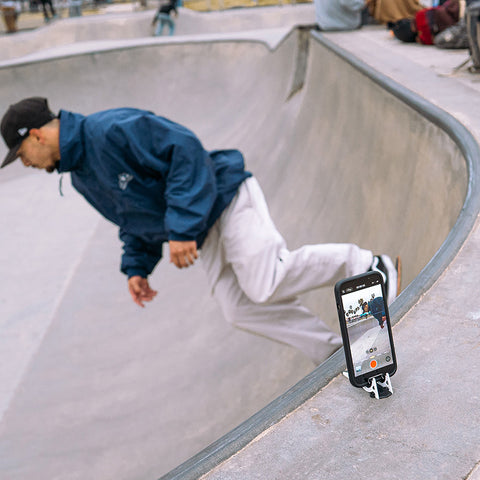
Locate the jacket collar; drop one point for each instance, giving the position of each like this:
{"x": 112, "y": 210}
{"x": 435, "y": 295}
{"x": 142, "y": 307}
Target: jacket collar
{"x": 71, "y": 141}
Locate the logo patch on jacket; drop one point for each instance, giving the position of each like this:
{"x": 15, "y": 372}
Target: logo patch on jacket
{"x": 123, "y": 180}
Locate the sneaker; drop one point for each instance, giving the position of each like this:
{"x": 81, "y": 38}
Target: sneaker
{"x": 390, "y": 273}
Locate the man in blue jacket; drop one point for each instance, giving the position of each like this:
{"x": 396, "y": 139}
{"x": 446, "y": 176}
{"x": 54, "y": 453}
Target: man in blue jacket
{"x": 153, "y": 178}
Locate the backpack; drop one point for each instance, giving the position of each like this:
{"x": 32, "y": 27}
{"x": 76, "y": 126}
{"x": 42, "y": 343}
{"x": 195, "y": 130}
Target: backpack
{"x": 455, "y": 36}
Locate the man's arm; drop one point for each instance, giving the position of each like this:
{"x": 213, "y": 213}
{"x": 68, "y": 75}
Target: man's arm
{"x": 182, "y": 255}
{"x": 175, "y": 155}
{"x": 139, "y": 257}
{"x": 171, "y": 153}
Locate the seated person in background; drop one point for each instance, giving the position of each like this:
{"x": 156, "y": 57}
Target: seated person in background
{"x": 339, "y": 14}
{"x": 385, "y": 11}
{"x": 427, "y": 23}
{"x": 351, "y": 14}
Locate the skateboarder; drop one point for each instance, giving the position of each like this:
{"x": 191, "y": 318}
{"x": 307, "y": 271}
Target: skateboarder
{"x": 163, "y": 17}
{"x": 376, "y": 306}
{"x": 153, "y": 178}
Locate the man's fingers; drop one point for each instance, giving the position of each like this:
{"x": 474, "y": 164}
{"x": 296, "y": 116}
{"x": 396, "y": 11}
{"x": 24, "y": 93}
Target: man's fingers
{"x": 138, "y": 302}
{"x": 183, "y": 254}
{"x": 184, "y": 260}
{"x": 136, "y": 297}
{"x": 140, "y": 290}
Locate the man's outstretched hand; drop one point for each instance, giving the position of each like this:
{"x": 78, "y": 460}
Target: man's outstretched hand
{"x": 183, "y": 254}
{"x": 140, "y": 290}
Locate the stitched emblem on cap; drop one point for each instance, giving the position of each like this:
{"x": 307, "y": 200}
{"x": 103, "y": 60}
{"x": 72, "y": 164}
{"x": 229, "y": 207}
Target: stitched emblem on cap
{"x": 22, "y": 131}
{"x": 123, "y": 180}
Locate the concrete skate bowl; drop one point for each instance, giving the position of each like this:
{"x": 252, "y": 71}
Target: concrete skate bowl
{"x": 129, "y": 25}
{"x": 342, "y": 155}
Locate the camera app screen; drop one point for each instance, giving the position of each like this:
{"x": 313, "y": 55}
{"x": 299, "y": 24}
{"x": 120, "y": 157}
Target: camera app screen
{"x": 367, "y": 328}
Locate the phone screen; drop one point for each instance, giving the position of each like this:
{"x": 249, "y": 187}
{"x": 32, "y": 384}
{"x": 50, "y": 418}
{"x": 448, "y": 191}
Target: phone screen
{"x": 367, "y": 326}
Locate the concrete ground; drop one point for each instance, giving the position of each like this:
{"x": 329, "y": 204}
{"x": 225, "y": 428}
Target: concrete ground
{"x": 93, "y": 388}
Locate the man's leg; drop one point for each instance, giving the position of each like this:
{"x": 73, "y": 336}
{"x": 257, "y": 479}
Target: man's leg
{"x": 44, "y": 7}
{"x": 52, "y": 10}
{"x": 256, "y": 280}
{"x": 266, "y": 270}
{"x": 287, "y": 321}
{"x": 171, "y": 26}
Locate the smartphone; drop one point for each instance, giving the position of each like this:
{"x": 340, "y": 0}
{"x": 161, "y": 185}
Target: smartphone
{"x": 365, "y": 326}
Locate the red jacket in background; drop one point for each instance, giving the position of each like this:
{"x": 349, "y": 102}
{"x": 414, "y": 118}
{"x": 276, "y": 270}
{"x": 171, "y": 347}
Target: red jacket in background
{"x": 431, "y": 21}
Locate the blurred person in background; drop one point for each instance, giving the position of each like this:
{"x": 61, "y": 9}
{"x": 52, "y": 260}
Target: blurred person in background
{"x": 48, "y": 5}
{"x": 163, "y": 17}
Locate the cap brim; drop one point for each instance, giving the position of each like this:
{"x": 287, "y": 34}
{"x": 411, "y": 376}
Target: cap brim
{"x": 11, "y": 156}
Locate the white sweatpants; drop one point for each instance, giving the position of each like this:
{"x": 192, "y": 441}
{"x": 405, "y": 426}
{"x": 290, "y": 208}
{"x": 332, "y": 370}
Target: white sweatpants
{"x": 256, "y": 279}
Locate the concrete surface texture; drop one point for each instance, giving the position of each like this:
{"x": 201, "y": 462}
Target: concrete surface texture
{"x": 95, "y": 388}
{"x": 125, "y": 25}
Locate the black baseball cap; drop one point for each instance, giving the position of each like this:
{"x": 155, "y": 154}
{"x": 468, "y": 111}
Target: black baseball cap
{"x": 29, "y": 113}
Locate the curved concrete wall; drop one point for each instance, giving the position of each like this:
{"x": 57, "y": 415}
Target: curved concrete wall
{"x": 113, "y": 26}
{"x": 333, "y": 169}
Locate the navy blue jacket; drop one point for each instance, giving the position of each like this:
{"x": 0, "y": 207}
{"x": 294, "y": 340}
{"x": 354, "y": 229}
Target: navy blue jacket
{"x": 148, "y": 175}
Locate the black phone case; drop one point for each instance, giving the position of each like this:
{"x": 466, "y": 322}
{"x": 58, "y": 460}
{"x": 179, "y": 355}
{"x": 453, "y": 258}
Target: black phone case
{"x": 362, "y": 380}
